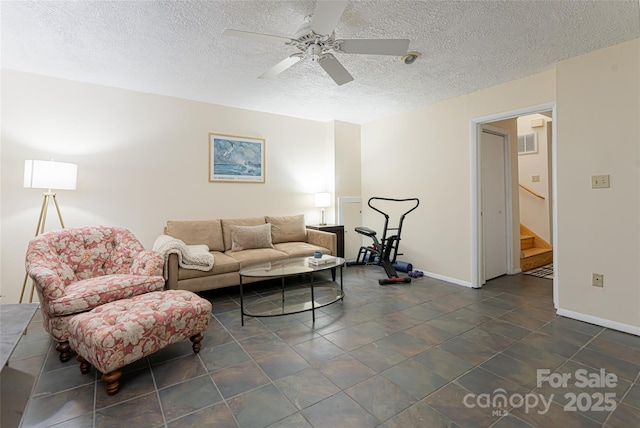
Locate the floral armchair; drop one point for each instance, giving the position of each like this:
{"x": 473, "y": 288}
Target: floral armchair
{"x": 76, "y": 270}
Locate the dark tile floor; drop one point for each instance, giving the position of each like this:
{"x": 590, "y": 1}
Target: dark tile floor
{"x": 425, "y": 354}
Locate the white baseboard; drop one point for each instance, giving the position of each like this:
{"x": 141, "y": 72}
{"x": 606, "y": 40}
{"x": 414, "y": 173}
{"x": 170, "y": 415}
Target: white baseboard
{"x": 626, "y": 328}
{"x": 446, "y": 278}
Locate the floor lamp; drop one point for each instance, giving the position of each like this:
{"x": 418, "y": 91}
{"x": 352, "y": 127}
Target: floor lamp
{"x": 47, "y": 175}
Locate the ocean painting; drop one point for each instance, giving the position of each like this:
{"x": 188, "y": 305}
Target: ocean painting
{"x": 238, "y": 159}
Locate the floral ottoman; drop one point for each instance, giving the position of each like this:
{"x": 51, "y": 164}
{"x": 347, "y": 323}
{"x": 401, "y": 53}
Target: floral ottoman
{"x": 121, "y": 332}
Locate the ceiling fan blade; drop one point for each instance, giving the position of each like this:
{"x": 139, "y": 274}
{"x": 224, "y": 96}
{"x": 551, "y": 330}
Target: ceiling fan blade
{"x": 326, "y": 16}
{"x": 280, "y": 67}
{"x": 255, "y": 36}
{"x": 397, "y": 47}
{"x": 332, "y": 66}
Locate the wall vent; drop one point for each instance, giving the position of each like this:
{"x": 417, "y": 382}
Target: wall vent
{"x": 527, "y": 144}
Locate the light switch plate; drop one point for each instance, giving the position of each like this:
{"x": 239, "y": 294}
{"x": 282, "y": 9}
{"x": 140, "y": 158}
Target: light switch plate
{"x": 535, "y": 178}
{"x": 600, "y": 181}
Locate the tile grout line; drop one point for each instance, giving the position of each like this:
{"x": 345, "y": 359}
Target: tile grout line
{"x": 272, "y": 329}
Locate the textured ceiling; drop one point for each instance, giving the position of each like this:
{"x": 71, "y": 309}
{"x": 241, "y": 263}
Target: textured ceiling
{"x": 175, "y": 48}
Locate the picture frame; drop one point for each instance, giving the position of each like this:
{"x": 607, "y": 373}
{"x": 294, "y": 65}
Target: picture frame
{"x": 236, "y": 159}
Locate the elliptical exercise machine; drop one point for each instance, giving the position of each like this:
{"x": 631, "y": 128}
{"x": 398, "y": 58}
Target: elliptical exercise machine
{"x": 384, "y": 252}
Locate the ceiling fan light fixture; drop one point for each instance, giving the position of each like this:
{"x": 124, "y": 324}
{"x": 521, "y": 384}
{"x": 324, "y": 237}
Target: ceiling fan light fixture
{"x": 410, "y": 57}
{"x": 314, "y": 52}
{"x": 315, "y": 40}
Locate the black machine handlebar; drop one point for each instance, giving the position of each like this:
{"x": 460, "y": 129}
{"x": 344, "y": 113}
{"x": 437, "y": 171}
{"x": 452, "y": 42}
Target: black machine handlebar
{"x": 391, "y": 243}
{"x": 417, "y": 201}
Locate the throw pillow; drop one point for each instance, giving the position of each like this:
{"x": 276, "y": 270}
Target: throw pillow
{"x": 288, "y": 228}
{"x": 248, "y": 237}
{"x": 228, "y": 223}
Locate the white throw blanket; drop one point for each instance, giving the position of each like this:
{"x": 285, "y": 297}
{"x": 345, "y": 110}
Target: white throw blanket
{"x": 189, "y": 256}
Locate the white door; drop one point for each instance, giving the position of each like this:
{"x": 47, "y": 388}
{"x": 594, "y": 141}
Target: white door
{"x": 494, "y": 208}
{"x": 350, "y": 215}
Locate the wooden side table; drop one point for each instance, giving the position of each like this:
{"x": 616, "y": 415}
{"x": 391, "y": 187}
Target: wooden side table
{"x": 338, "y": 229}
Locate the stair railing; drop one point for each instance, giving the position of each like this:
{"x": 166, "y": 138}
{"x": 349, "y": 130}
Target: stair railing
{"x": 537, "y": 195}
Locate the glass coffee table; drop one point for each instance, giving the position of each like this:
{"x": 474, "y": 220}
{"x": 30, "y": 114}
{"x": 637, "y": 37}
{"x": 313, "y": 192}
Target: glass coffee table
{"x": 308, "y": 298}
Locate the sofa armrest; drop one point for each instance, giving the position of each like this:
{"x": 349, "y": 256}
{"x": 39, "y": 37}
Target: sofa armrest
{"x": 47, "y": 282}
{"x": 147, "y": 263}
{"x": 323, "y": 239}
{"x": 172, "y": 272}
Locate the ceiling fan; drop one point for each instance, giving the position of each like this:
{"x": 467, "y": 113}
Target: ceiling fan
{"x": 315, "y": 40}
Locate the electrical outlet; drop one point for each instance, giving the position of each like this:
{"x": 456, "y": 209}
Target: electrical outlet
{"x": 597, "y": 280}
{"x": 535, "y": 178}
{"x": 600, "y": 181}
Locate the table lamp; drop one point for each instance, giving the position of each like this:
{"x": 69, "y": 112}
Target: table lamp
{"x": 323, "y": 200}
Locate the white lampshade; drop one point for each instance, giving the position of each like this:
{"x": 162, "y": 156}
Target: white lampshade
{"x": 323, "y": 200}
{"x": 50, "y": 175}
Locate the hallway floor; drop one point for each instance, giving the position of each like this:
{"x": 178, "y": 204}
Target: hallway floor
{"x": 425, "y": 354}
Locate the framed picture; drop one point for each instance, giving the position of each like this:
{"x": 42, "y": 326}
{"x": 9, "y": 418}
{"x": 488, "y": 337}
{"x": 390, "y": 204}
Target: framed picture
{"x": 236, "y": 159}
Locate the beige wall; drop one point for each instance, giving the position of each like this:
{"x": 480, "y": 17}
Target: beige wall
{"x": 598, "y": 107}
{"x": 534, "y": 212}
{"x": 142, "y": 160}
{"x": 347, "y": 159}
{"x": 425, "y": 153}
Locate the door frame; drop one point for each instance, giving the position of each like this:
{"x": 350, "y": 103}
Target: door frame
{"x": 508, "y": 196}
{"x": 476, "y": 189}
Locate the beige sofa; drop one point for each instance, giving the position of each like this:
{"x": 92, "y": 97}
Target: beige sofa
{"x": 236, "y": 243}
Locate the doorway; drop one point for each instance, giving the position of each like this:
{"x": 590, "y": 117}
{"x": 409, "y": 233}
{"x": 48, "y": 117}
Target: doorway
{"x": 478, "y": 254}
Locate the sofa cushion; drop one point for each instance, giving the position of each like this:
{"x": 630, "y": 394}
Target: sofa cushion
{"x": 300, "y": 249}
{"x": 208, "y": 232}
{"x": 287, "y": 228}
{"x": 255, "y": 256}
{"x": 223, "y": 264}
{"x": 250, "y": 237}
{"x": 227, "y": 223}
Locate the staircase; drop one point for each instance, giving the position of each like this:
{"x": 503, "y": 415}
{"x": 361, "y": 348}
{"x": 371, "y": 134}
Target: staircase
{"x": 534, "y": 251}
